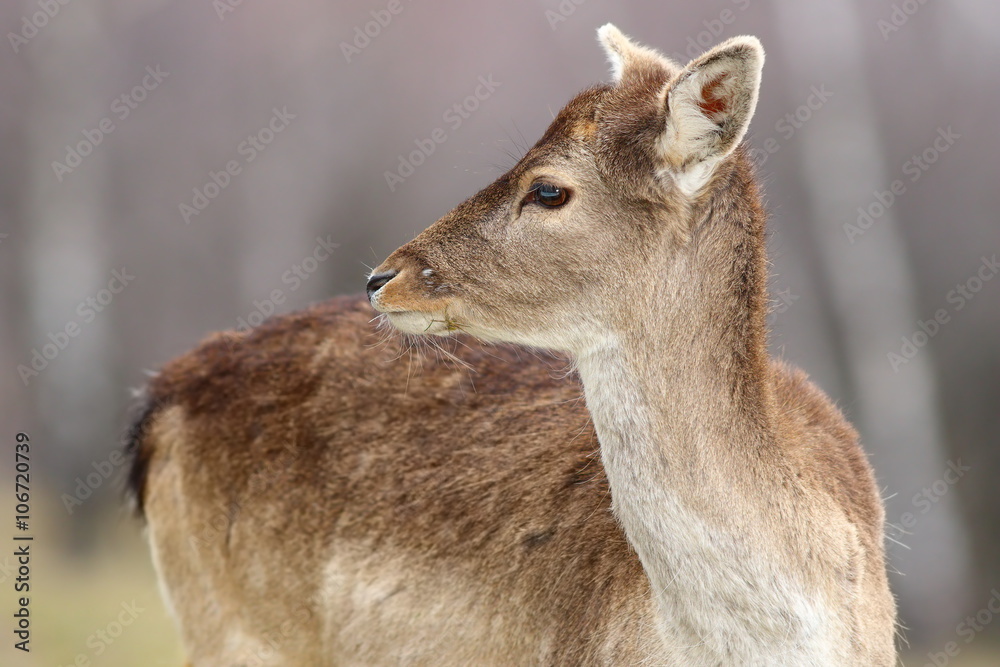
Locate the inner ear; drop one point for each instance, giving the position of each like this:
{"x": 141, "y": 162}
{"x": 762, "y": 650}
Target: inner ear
{"x": 708, "y": 110}
{"x": 712, "y": 103}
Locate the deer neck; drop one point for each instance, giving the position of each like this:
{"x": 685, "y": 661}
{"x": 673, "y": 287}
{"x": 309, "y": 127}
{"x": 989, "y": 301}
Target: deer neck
{"x": 680, "y": 393}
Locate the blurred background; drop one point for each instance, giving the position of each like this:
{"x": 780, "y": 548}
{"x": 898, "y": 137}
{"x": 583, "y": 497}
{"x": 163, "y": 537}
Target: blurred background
{"x": 174, "y": 168}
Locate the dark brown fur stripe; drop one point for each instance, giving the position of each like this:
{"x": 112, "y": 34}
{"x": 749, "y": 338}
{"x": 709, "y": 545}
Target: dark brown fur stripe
{"x": 136, "y": 453}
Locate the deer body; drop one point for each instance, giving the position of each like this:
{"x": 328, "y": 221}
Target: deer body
{"x": 707, "y": 506}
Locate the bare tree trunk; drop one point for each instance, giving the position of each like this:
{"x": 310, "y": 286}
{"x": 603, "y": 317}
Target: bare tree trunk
{"x": 66, "y": 251}
{"x": 15, "y": 73}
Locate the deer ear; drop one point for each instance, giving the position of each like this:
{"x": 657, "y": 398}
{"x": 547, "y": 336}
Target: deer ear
{"x": 629, "y": 59}
{"x": 708, "y": 109}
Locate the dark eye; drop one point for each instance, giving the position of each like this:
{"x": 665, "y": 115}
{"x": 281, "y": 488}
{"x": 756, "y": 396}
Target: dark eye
{"x": 547, "y": 194}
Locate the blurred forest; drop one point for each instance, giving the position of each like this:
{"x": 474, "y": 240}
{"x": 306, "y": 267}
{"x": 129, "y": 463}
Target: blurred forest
{"x": 171, "y": 168}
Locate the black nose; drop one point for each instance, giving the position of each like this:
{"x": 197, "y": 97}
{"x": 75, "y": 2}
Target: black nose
{"x": 377, "y": 280}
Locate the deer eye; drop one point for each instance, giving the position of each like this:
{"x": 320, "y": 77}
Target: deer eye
{"x": 547, "y": 194}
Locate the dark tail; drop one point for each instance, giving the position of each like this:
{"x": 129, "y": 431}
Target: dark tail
{"x": 137, "y": 452}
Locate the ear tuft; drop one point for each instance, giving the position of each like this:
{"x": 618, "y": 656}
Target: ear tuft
{"x": 709, "y": 107}
{"x": 628, "y": 58}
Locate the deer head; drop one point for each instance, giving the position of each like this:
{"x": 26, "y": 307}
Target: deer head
{"x": 584, "y": 230}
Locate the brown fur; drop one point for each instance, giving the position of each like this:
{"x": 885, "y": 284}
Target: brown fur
{"x": 499, "y": 482}
{"x": 497, "y": 485}
{"x": 308, "y": 491}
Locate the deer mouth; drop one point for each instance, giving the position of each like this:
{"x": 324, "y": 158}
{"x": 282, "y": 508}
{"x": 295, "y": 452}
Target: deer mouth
{"x": 421, "y": 323}
{"x": 409, "y": 303}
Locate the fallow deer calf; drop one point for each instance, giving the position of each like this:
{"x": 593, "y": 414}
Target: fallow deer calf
{"x": 311, "y": 501}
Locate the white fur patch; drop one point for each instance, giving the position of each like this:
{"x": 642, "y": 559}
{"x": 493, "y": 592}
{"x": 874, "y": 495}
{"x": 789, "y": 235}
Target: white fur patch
{"x": 384, "y": 608}
{"x": 740, "y": 606}
{"x": 694, "y": 178}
